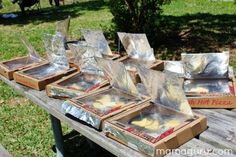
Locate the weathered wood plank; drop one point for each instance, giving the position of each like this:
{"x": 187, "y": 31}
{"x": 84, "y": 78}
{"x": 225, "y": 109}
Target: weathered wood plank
{"x": 4, "y": 152}
{"x": 198, "y": 148}
{"x": 53, "y": 106}
{"x": 225, "y": 112}
{"x": 222, "y": 130}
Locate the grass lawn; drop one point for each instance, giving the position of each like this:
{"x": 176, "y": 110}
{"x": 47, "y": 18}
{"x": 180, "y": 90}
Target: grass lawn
{"x": 188, "y": 26}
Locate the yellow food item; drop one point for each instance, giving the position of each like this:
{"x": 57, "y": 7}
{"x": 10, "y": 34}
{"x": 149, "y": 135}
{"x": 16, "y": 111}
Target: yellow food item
{"x": 147, "y": 123}
{"x": 199, "y": 90}
{"x": 106, "y": 102}
{"x": 172, "y": 123}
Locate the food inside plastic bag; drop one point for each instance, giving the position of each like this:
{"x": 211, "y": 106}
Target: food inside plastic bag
{"x": 206, "y": 65}
{"x": 118, "y": 75}
{"x": 137, "y": 46}
{"x": 221, "y": 86}
{"x": 95, "y": 38}
{"x": 106, "y": 102}
{"x": 152, "y": 121}
{"x": 165, "y": 89}
{"x": 56, "y": 51}
{"x": 82, "y": 82}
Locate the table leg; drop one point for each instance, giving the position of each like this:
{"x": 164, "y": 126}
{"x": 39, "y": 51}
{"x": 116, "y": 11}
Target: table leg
{"x": 58, "y": 136}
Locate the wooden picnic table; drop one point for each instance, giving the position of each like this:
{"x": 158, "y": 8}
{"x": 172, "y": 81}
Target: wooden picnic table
{"x": 220, "y": 135}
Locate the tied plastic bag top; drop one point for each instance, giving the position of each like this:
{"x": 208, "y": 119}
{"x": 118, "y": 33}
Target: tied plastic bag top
{"x": 95, "y": 38}
{"x": 32, "y": 52}
{"x": 174, "y": 67}
{"x": 118, "y": 75}
{"x": 206, "y": 65}
{"x": 84, "y": 58}
{"x": 56, "y": 51}
{"x": 165, "y": 90}
{"x": 137, "y": 46}
{"x": 63, "y": 28}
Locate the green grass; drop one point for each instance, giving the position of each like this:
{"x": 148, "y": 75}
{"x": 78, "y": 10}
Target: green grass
{"x": 188, "y": 25}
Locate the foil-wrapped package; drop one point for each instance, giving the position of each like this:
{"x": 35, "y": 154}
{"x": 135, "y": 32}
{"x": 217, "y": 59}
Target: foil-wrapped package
{"x": 165, "y": 90}
{"x": 95, "y": 38}
{"x": 63, "y": 28}
{"x": 219, "y": 86}
{"x": 118, "y": 75}
{"x": 137, "y": 46}
{"x": 56, "y": 51}
{"x": 206, "y": 65}
{"x": 174, "y": 67}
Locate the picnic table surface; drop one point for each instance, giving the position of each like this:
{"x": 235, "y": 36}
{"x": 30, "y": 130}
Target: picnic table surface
{"x": 220, "y": 135}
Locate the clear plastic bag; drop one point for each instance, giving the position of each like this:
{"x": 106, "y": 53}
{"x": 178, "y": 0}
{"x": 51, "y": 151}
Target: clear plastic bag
{"x": 207, "y": 86}
{"x": 95, "y": 38}
{"x": 56, "y": 51}
{"x": 165, "y": 90}
{"x": 137, "y": 46}
{"x": 118, "y": 75}
{"x": 206, "y": 65}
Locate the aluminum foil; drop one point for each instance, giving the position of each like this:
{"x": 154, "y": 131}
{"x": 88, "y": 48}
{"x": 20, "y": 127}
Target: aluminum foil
{"x": 174, "y": 67}
{"x": 119, "y": 77}
{"x": 95, "y": 38}
{"x": 85, "y": 58}
{"x": 165, "y": 90}
{"x": 69, "y": 108}
{"x": 137, "y": 46}
{"x": 206, "y": 65}
{"x": 56, "y": 51}
{"x": 207, "y": 86}
{"x": 131, "y": 141}
{"x": 33, "y": 55}
{"x": 63, "y": 28}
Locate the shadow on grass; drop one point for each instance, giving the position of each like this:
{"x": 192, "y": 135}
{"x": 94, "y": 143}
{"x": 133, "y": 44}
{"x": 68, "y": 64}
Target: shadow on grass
{"x": 51, "y": 14}
{"x": 196, "y": 33}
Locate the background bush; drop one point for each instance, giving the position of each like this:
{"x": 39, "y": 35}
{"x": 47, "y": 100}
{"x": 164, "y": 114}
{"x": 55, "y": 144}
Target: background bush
{"x": 138, "y": 16}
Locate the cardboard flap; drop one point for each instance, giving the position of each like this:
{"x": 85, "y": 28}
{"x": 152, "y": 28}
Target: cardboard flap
{"x": 165, "y": 90}
{"x": 63, "y": 27}
{"x": 118, "y": 75}
{"x": 95, "y": 38}
{"x": 56, "y": 51}
{"x": 33, "y": 54}
{"x": 137, "y": 46}
{"x": 206, "y": 65}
